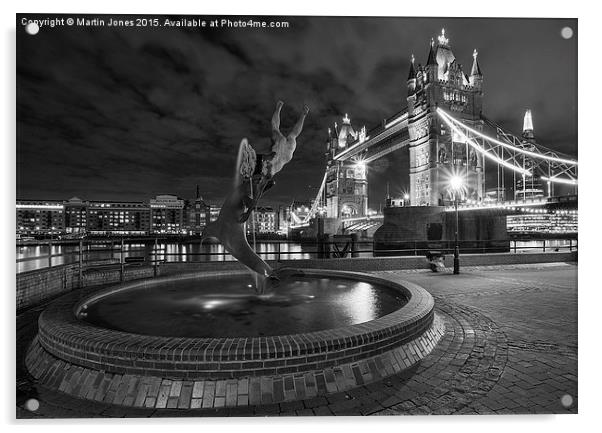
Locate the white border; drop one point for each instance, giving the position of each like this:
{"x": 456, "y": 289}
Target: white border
{"x": 589, "y": 155}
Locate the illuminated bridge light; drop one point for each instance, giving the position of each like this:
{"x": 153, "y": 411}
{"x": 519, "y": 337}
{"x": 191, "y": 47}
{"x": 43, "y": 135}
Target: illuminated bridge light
{"x": 506, "y": 145}
{"x": 341, "y": 155}
{"x": 396, "y": 121}
{"x": 560, "y": 180}
{"x": 448, "y": 120}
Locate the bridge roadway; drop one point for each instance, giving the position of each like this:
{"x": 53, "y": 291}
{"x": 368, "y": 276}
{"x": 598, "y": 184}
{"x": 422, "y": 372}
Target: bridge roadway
{"x": 561, "y": 204}
{"x": 391, "y": 135}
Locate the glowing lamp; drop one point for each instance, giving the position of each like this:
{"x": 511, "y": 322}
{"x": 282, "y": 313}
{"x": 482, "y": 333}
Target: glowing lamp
{"x": 456, "y": 182}
{"x": 360, "y": 164}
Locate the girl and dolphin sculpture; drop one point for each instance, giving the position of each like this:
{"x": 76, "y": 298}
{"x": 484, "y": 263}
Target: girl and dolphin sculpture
{"x": 252, "y": 178}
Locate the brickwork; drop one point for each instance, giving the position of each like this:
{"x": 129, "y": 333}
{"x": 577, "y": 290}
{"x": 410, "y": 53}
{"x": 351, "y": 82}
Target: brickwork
{"x": 73, "y": 340}
{"x": 99, "y": 277}
{"x": 35, "y": 287}
{"x": 168, "y": 393}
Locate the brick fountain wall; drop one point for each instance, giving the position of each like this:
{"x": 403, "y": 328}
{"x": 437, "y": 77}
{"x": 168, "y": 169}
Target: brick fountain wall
{"x": 91, "y": 362}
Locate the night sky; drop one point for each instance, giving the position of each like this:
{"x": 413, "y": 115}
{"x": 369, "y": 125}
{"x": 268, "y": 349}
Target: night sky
{"x": 125, "y": 114}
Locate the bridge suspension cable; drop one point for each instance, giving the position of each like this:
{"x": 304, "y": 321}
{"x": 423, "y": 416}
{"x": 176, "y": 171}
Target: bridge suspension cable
{"x": 550, "y": 164}
{"x": 509, "y": 146}
{"x": 449, "y": 121}
{"x": 551, "y": 167}
{"x": 559, "y": 180}
{"x": 519, "y": 149}
{"x": 316, "y": 202}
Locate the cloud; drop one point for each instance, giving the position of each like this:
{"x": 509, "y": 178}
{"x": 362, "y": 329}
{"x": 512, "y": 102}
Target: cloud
{"x": 129, "y": 113}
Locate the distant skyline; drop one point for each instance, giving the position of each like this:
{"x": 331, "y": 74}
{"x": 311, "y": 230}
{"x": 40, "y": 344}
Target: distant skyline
{"x": 127, "y": 114}
{"x": 217, "y": 202}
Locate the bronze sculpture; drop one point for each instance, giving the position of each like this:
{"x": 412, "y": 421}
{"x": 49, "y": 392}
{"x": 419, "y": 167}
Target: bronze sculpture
{"x": 254, "y": 175}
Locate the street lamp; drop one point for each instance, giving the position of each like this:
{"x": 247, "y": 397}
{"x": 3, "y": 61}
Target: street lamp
{"x": 456, "y": 185}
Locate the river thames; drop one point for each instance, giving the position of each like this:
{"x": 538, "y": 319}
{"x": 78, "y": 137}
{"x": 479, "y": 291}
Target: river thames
{"x": 32, "y": 257}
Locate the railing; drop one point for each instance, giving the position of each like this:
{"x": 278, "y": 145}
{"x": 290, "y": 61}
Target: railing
{"x": 83, "y": 255}
{"x": 518, "y": 246}
{"x": 128, "y": 253}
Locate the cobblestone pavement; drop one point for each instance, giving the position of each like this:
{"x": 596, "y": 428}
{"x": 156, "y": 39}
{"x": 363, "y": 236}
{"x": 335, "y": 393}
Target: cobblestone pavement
{"x": 510, "y": 347}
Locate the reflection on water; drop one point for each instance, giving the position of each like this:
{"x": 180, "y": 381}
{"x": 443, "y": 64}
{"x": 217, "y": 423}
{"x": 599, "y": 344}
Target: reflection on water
{"x": 227, "y": 306}
{"x": 362, "y": 302}
{"x": 171, "y": 252}
{"x": 194, "y": 252}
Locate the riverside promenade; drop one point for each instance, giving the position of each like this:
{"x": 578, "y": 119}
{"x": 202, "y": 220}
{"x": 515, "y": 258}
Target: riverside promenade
{"x": 510, "y": 347}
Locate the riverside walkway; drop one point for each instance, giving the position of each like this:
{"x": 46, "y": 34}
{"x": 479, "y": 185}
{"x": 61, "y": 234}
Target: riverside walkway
{"x": 510, "y": 347}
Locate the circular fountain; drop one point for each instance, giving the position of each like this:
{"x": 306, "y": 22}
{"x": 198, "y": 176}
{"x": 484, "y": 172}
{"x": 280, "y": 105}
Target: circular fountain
{"x": 207, "y": 340}
{"x": 316, "y": 332}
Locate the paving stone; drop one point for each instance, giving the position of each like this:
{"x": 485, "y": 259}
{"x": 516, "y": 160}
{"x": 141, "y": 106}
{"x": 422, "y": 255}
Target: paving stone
{"x": 163, "y": 395}
{"x": 315, "y": 402}
{"x": 267, "y": 390}
{"x": 131, "y": 392}
{"x": 267, "y": 409}
{"x": 176, "y": 387}
{"x": 291, "y": 406}
{"x": 231, "y": 393}
{"x": 185, "y": 395}
{"x": 493, "y": 358}
{"x": 322, "y": 411}
{"x": 141, "y": 396}
{"x": 278, "y": 390}
{"x": 172, "y": 402}
{"x": 311, "y": 389}
{"x": 197, "y": 390}
{"x": 255, "y": 391}
{"x": 122, "y": 390}
{"x": 304, "y": 412}
{"x": 243, "y": 386}
{"x": 208, "y": 394}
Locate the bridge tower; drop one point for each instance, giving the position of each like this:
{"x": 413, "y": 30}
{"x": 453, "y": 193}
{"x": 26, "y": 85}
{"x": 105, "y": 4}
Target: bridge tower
{"x": 346, "y": 188}
{"x": 435, "y": 152}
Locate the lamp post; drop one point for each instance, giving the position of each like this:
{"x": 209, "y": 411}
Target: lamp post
{"x": 456, "y": 185}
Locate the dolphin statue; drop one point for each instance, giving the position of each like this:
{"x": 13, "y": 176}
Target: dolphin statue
{"x": 229, "y": 228}
{"x": 253, "y": 176}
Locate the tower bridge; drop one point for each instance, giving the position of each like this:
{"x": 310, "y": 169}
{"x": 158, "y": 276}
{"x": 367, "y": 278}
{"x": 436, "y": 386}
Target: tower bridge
{"x": 447, "y": 136}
